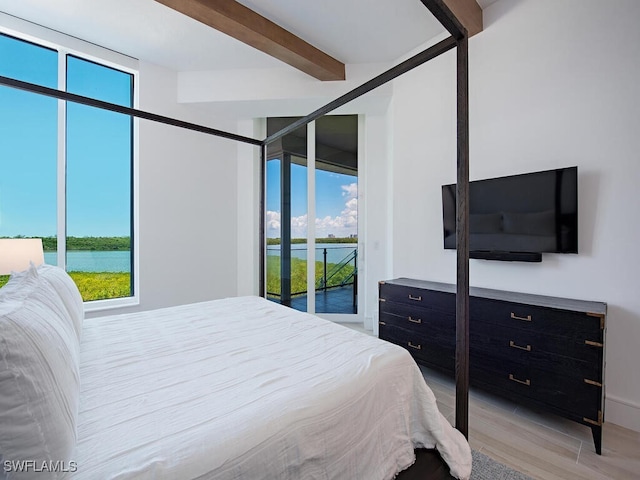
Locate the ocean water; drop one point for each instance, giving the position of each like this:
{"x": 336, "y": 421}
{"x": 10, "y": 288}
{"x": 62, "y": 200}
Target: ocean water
{"x": 93, "y": 261}
{"x": 336, "y": 252}
{"x": 110, "y": 261}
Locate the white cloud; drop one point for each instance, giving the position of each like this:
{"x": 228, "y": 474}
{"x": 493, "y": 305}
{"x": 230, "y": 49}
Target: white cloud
{"x": 299, "y": 226}
{"x": 350, "y": 191}
{"x": 346, "y": 223}
{"x": 341, "y": 225}
{"x": 273, "y": 224}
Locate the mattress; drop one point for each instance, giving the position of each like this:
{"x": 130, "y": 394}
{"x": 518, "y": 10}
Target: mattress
{"x": 243, "y": 388}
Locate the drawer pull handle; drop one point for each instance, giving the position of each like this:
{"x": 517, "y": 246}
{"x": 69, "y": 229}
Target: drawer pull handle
{"x": 526, "y": 319}
{"x": 592, "y": 382}
{"x": 513, "y": 344}
{"x": 414, "y": 320}
{"x": 593, "y": 344}
{"x": 526, "y": 382}
{"x": 381, "y": 323}
{"x": 417, "y": 347}
{"x": 417, "y": 299}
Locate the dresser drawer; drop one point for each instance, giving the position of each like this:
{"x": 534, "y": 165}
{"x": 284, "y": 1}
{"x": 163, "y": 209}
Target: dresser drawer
{"x": 557, "y": 365}
{"x": 569, "y": 393}
{"x": 418, "y": 297}
{"x": 436, "y": 350}
{"x": 535, "y": 348}
{"x": 581, "y": 327}
{"x": 416, "y": 318}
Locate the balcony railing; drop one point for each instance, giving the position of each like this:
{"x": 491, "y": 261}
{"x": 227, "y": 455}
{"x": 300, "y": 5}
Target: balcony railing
{"x": 340, "y": 273}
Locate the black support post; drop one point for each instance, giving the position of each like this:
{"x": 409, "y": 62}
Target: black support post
{"x": 285, "y": 230}
{"x": 262, "y": 227}
{"x": 462, "y": 240}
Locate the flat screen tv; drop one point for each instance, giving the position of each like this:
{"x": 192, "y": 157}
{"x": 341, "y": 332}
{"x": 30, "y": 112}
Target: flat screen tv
{"x": 517, "y": 217}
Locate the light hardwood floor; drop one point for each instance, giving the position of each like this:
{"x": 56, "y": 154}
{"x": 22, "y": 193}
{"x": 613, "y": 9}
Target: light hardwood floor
{"x": 543, "y": 446}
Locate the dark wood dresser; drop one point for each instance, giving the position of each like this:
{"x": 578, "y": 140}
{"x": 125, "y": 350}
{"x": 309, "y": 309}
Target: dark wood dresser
{"x": 541, "y": 351}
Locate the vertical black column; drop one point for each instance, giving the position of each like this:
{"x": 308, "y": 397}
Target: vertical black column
{"x": 263, "y": 240}
{"x": 285, "y": 230}
{"x": 462, "y": 239}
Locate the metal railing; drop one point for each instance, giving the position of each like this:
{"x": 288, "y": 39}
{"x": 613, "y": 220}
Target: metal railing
{"x": 324, "y": 282}
{"x": 342, "y": 273}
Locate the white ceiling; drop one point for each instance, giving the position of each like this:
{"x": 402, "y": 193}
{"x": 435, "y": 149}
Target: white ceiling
{"x": 353, "y": 31}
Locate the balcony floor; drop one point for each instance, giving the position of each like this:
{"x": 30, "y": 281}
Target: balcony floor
{"x": 334, "y": 300}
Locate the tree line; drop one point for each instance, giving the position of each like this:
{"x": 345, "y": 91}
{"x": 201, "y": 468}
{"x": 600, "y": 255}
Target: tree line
{"x": 276, "y": 241}
{"x": 50, "y": 244}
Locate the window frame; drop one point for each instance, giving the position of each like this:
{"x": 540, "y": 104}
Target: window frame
{"x": 64, "y": 46}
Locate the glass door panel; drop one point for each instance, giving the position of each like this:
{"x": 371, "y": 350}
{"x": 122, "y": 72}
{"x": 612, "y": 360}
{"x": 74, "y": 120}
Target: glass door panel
{"x": 286, "y": 222}
{"x": 336, "y": 186}
{"x": 333, "y": 289}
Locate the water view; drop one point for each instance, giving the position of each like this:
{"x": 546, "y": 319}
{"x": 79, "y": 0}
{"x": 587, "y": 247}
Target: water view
{"x": 93, "y": 261}
{"x": 120, "y": 261}
{"x": 336, "y": 252}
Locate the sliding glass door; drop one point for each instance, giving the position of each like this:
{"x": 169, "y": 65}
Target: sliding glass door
{"x": 312, "y": 173}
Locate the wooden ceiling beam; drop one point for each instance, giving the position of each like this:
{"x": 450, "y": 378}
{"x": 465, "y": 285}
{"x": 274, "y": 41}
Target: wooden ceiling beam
{"x": 468, "y": 13}
{"x": 242, "y": 23}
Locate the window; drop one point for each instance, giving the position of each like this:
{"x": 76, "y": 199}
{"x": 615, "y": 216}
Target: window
{"x": 66, "y": 170}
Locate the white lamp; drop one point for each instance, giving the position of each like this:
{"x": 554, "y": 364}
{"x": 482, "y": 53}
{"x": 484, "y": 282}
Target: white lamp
{"x": 16, "y": 253}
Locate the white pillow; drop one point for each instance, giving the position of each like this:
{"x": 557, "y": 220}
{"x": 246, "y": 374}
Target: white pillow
{"x": 19, "y": 285}
{"x": 39, "y": 373}
{"x": 68, "y": 292}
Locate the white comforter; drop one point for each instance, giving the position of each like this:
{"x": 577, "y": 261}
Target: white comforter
{"x": 243, "y": 388}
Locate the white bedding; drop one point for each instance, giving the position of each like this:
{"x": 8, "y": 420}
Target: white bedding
{"x": 243, "y": 388}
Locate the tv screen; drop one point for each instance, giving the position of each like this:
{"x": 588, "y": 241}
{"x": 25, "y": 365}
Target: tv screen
{"x": 529, "y": 213}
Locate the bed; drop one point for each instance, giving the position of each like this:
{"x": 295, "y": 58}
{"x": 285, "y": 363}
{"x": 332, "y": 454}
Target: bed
{"x": 239, "y": 388}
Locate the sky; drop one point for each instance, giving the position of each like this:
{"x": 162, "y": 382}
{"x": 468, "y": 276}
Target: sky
{"x": 98, "y": 147}
{"x": 336, "y": 202}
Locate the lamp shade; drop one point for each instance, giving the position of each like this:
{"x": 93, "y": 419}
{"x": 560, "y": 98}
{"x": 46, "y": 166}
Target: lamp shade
{"x": 16, "y": 253}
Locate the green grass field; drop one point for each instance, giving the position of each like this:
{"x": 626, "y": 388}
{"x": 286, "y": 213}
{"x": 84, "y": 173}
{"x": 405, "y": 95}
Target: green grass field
{"x": 299, "y": 274}
{"x": 104, "y": 285}
{"x": 97, "y": 285}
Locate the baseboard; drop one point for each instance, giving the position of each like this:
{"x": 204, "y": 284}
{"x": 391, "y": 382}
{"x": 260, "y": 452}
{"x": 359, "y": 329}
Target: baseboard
{"x": 622, "y": 412}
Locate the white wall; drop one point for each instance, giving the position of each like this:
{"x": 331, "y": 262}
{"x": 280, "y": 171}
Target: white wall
{"x": 552, "y": 83}
{"x": 248, "y": 201}
{"x": 375, "y": 242}
{"x": 188, "y": 217}
{"x": 188, "y": 214}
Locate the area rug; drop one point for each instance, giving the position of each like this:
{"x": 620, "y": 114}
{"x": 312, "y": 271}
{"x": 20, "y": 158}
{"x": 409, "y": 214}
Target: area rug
{"x": 486, "y": 468}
